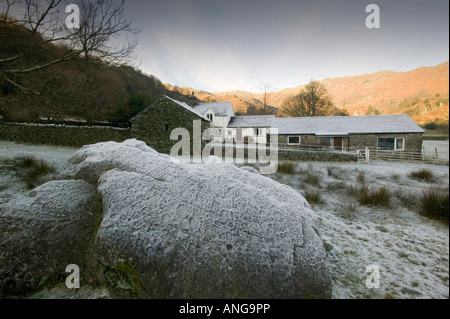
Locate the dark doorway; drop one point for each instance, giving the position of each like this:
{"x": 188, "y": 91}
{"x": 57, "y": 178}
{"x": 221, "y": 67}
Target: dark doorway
{"x": 338, "y": 143}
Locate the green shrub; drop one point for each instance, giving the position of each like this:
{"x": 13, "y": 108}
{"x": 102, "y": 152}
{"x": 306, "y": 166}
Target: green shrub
{"x": 431, "y": 126}
{"x": 435, "y": 203}
{"x": 286, "y": 167}
{"x": 423, "y": 175}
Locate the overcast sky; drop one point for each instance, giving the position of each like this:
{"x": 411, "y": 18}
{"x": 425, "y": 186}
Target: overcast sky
{"x": 218, "y": 45}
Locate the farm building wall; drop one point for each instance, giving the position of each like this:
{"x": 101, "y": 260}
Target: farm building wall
{"x": 412, "y": 141}
{"x": 155, "y": 124}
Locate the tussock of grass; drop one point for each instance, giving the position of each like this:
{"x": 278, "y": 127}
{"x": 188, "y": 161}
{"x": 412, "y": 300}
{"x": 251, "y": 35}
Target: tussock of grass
{"x": 423, "y": 175}
{"x": 407, "y": 198}
{"x": 371, "y": 196}
{"x": 312, "y": 178}
{"x": 313, "y": 196}
{"x": 31, "y": 169}
{"x": 335, "y": 172}
{"x": 336, "y": 186}
{"x": 435, "y": 203}
{"x": 361, "y": 178}
{"x": 348, "y": 211}
{"x": 286, "y": 167}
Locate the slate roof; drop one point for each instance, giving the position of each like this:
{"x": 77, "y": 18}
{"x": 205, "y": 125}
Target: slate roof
{"x": 345, "y": 125}
{"x": 219, "y": 108}
{"x": 189, "y": 108}
{"x": 251, "y": 121}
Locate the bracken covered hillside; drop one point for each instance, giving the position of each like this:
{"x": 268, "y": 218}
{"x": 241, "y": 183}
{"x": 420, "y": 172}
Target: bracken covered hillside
{"x": 422, "y": 93}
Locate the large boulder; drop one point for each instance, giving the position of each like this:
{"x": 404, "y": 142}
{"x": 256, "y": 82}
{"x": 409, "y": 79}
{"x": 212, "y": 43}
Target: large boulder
{"x": 43, "y": 232}
{"x": 177, "y": 230}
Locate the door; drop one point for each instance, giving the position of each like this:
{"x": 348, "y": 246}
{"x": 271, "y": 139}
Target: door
{"x": 238, "y": 135}
{"x": 338, "y": 143}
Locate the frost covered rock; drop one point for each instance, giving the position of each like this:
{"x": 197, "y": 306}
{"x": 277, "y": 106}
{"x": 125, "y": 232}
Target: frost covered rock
{"x": 250, "y": 169}
{"x": 43, "y": 232}
{"x": 201, "y": 231}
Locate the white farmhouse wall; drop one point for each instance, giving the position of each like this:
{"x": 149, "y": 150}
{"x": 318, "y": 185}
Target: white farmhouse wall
{"x": 250, "y": 132}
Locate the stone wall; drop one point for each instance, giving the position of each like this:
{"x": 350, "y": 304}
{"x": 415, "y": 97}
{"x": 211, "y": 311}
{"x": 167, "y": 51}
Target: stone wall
{"x": 63, "y": 135}
{"x": 155, "y": 124}
{"x": 295, "y": 155}
{"x": 300, "y": 155}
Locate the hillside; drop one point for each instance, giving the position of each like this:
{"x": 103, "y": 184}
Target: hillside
{"x": 68, "y": 92}
{"x": 422, "y": 93}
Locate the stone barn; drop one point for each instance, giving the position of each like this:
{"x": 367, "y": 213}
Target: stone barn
{"x": 154, "y": 125}
{"x": 382, "y": 132}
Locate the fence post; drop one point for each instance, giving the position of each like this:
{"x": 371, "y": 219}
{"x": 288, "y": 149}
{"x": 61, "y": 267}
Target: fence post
{"x": 367, "y": 154}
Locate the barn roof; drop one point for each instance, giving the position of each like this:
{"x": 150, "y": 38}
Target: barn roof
{"x": 189, "y": 108}
{"x": 345, "y": 125}
{"x": 182, "y": 104}
{"x": 252, "y": 121}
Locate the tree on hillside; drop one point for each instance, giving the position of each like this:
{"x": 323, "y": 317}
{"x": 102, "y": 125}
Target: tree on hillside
{"x": 269, "y": 95}
{"x": 102, "y": 20}
{"x": 313, "y": 100}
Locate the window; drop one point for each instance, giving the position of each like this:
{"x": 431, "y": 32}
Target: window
{"x": 399, "y": 144}
{"x": 209, "y": 116}
{"x": 293, "y": 140}
{"x": 258, "y": 131}
{"x": 230, "y": 132}
{"x": 391, "y": 144}
{"x": 324, "y": 141}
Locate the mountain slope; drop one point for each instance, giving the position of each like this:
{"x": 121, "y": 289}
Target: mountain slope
{"x": 422, "y": 93}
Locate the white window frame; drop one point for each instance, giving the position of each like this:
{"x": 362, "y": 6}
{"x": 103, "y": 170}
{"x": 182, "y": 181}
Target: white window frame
{"x": 210, "y": 116}
{"x": 299, "y": 139}
{"x": 403, "y": 143}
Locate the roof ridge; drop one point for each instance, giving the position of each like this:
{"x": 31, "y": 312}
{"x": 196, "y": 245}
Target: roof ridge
{"x": 337, "y": 116}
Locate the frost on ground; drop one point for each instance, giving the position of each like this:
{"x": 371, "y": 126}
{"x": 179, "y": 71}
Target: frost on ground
{"x": 412, "y": 251}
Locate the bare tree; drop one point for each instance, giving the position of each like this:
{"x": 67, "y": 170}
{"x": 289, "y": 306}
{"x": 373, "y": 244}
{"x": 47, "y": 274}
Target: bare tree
{"x": 104, "y": 36}
{"x": 313, "y": 100}
{"x": 102, "y": 21}
{"x": 269, "y": 95}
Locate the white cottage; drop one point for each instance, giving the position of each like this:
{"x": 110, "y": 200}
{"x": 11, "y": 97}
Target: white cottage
{"x": 219, "y": 114}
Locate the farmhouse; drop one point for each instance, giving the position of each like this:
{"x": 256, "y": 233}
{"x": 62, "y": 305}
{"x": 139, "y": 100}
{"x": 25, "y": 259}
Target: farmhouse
{"x": 219, "y": 115}
{"x": 339, "y": 133}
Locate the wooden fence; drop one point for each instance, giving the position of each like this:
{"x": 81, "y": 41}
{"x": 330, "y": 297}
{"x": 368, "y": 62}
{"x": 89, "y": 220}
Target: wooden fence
{"x": 370, "y": 154}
